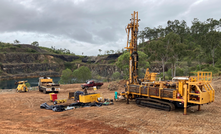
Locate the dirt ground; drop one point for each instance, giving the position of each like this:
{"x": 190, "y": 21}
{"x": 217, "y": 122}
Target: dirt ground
{"x": 20, "y": 113}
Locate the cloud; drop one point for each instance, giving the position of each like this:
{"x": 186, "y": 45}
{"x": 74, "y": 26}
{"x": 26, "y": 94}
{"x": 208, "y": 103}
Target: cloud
{"x": 92, "y": 23}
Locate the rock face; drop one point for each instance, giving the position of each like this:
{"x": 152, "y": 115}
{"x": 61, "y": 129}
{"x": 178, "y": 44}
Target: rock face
{"x": 100, "y": 59}
{"x": 14, "y": 65}
{"x": 67, "y": 58}
{"x": 33, "y": 58}
{"x": 102, "y": 70}
{"x": 89, "y": 59}
{"x": 113, "y": 56}
{"x": 30, "y": 68}
{"x": 30, "y": 75}
{"x": 17, "y": 65}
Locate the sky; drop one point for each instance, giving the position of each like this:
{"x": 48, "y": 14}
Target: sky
{"x": 85, "y": 26}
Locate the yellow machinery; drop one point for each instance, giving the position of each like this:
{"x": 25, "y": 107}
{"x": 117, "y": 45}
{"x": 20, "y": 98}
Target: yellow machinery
{"x": 60, "y": 101}
{"x": 181, "y": 92}
{"x": 150, "y": 77}
{"x": 133, "y": 62}
{"x": 86, "y": 98}
{"x": 21, "y": 87}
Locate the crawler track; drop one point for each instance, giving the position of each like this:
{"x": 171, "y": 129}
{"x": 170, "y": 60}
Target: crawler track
{"x": 153, "y": 103}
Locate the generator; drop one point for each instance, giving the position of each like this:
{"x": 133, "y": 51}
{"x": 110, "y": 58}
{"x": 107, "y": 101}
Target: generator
{"x": 84, "y": 97}
{"x": 87, "y": 98}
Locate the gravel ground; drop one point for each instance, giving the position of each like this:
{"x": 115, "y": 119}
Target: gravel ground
{"x": 21, "y": 114}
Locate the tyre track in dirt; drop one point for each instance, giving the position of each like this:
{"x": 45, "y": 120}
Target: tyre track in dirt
{"x": 23, "y": 109}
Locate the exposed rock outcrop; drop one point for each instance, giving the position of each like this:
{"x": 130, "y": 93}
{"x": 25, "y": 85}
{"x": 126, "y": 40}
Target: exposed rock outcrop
{"x": 16, "y": 65}
{"x": 100, "y": 59}
{"x": 102, "y": 70}
{"x": 68, "y": 58}
{"x": 33, "y": 58}
{"x": 90, "y": 59}
{"x": 30, "y": 75}
{"x": 30, "y": 68}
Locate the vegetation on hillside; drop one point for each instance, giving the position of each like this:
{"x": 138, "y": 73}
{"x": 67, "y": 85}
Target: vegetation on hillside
{"x": 32, "y": 48}
{"x": 57, "y": 51}
{"x": 177, "y": 43}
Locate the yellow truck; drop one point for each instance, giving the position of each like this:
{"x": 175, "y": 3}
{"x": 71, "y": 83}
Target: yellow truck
{"x": 47, "y": 85}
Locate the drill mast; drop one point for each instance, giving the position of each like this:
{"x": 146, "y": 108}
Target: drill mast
{"x": 132, "y": 32}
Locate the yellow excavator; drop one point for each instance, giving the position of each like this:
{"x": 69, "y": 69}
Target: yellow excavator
{"x": 181, "y": 92}
{"x": 21, "y": 86}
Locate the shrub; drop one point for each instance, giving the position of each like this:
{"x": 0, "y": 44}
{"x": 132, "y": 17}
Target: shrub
{"x": 19, "y": 46}
{"x": 27, "y": 84}
{"x": 212, "y": 69}
{"x": 82, "y": 74}
{"x": 168, "y": 75}
{"x": 179, "y": 72}
{"x": 116, "y": 76}
{"x": 66, "y": 76}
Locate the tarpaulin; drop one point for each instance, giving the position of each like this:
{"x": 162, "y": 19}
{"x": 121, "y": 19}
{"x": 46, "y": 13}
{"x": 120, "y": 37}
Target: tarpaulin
{"x": 60, "y": 108}
{"x": 56, "y": 108}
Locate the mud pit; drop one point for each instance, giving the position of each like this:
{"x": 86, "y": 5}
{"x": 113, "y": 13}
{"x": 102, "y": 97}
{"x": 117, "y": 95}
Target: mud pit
{"x": 20, "y": 113}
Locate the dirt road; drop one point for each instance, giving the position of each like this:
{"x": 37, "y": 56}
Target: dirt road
{"x": 20, "y": 113}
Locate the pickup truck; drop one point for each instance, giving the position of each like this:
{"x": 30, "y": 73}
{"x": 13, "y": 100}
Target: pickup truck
{"x": 91, "y": 83}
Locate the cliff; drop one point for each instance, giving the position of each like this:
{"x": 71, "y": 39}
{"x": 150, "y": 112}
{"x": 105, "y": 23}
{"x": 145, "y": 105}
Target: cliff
{"x": 28, "y": 65}
{"x": 26, "y": 61}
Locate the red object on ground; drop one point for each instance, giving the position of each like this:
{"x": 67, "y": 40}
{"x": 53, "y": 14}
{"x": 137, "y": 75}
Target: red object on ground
{"x": 54, "y": 97}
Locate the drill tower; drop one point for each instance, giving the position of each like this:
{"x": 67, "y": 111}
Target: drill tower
{"x": 132, "y": 32}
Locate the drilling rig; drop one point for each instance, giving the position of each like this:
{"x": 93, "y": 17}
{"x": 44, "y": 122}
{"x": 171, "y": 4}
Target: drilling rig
{"x": 181, "y": 92}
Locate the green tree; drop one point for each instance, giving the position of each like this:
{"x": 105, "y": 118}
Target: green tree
{"x": 199, "y": 54}
{"x": 27, "y": 84}
{"x": 176, "y": 49}
{"x": 35, "y": 43}
{"x": 118, "y": 51}
{"x": 99, "y": 50}
{"x": 66, "y": 76}
{"x": 212, "y": 41}
{"x": 107, "y": 51}
{"x": 158, "y": 49}
{"x": 123, "y": 62}
{"x": 116, "y": 75}
{"x": 201, "y": 42}
{"x": 82, "y": 74}
{"x": 112, "y": 51}
{"x": 16, "y": 41}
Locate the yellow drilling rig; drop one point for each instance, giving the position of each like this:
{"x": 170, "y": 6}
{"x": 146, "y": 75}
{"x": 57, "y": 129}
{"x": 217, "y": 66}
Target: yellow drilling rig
{"x": 166, "y": 95}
